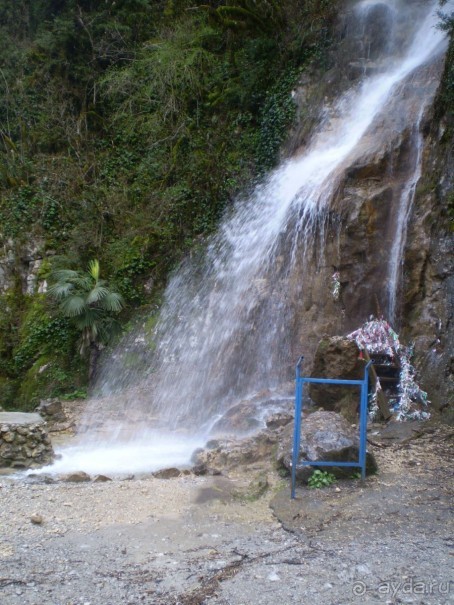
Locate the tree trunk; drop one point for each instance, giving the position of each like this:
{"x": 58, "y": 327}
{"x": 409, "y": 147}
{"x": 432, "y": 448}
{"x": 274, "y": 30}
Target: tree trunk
{"x": 93, "y": 361}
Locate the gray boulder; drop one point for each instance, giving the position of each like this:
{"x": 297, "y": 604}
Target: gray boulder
{"x": 325, "y": 436}
{"x": 51, "y": 409}
{"x": 227, "y": 454}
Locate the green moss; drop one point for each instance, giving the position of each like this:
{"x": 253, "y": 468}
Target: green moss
{"x": 8, "y": 390}
{"x": 41, "y": 333}
{"x": 450, "y": 209}
{"x": 37, "y": 352}
{"x": 130, "y": 261}
{"x": 48, "y": 377}
{"x": 9, "y": 317}
{"x": 277, "y": 116}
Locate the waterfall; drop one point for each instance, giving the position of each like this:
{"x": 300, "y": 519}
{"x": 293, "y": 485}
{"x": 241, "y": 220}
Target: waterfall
{"x": 395, "y": 268}
{"x": 223, "y": 332}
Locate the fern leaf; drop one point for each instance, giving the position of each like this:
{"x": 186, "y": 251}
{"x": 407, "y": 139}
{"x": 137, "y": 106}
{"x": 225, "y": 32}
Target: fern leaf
{"x": 72, "y": 306}
{"x": 113, "y": 302}
{"x": 60, "y": 290}
{"x": 97, "y": 294}
{"x": 63, "y": 275}
{"x": 93, "y": 269}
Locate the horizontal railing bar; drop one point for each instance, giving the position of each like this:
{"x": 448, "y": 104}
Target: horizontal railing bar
{"x": 333, "y": 463}
{"x": 331, "y": 381}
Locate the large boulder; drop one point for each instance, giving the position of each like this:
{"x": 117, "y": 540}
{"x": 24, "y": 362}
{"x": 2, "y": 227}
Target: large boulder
{"x": 325, "y": 437}
{"x": 252, "y": 415}
{"x": 337, "y": 357}
{"x": 227, "y": 454}
{"x": 238, "y": 420}
{"x": 51, "y": 410}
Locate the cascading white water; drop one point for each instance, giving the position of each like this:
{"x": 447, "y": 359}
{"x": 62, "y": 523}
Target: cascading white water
{"x": 222, "y": 332}
{"x": 395, "y": 266}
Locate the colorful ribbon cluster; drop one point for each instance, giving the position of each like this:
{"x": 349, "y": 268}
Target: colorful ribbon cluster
{"x": 335, "y": 287}
{"x": 378, "y": 338}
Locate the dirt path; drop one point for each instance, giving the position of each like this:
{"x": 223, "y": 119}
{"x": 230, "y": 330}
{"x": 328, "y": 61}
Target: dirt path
{"x": 208, "y": 540}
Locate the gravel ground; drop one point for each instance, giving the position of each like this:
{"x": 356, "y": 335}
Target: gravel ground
{"x": 210, "y": 540}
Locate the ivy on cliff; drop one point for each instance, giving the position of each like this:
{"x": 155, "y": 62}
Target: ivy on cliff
{"x": 128, "y": 126}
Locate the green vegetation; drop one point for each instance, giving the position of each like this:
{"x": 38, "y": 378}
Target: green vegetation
{"x": 37, "y": 352}
{"x": 444, "y": 113}
{"x": 126, "y": 129}
{"x": 446, "y": 18}
{"x": 90, "y": 305}
{"x": 320, "y": 479}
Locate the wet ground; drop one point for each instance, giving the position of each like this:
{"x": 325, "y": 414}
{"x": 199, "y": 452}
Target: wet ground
{"x": 238, "y": 539}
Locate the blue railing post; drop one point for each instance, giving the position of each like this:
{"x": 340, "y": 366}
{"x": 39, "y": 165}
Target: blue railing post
{"x": 363, "y": 421}
{"x": 297, "y": 426}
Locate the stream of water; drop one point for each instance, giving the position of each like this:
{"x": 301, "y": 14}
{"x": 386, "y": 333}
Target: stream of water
{"x": 218, "y": 341}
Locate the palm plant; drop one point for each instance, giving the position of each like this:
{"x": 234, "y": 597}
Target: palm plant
{"x": 90, "y": 304}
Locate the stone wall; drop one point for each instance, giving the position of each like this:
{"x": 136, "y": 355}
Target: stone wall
{"x": 24, "y": 442}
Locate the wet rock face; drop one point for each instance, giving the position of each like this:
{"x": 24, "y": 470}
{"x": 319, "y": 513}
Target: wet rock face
{"x": 337, "y": 357}
{"x": 240, "y": 419}
{"x": 358, "y": 235}
{"x": 251, "y": 415}
{"x": 228, "y": 454}
{"x": 23, "y": 260}
{"x": 325, "y": 436}
{"x": 24, "y": 442}
{"x": 428, "y": 291}
{"x": 377, "y": 22}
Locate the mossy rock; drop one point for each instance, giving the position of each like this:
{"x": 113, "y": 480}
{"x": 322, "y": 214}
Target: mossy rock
{"x": 8, "y": 390}
{"x": 48, "y": 377}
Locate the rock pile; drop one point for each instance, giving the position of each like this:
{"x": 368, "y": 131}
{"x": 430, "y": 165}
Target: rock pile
{"x": 53, "y": 413}
{"x": 326, "y": 436}
{"x": 24, "y": 442}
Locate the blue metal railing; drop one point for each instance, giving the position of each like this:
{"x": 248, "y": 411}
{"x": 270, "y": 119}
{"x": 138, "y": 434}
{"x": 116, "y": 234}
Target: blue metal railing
{"x": 300, "y": 382}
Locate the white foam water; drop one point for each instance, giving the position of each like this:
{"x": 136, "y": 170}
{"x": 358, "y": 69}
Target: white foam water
{"x": 152, "y": 452}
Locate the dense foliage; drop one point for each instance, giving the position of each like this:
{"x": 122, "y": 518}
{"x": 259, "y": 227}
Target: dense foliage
{"x": 91, "y": 306}
{"x": 127, "y": 127}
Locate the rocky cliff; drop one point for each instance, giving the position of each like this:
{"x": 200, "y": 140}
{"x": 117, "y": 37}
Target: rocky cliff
{"x": 410, "y": 145}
